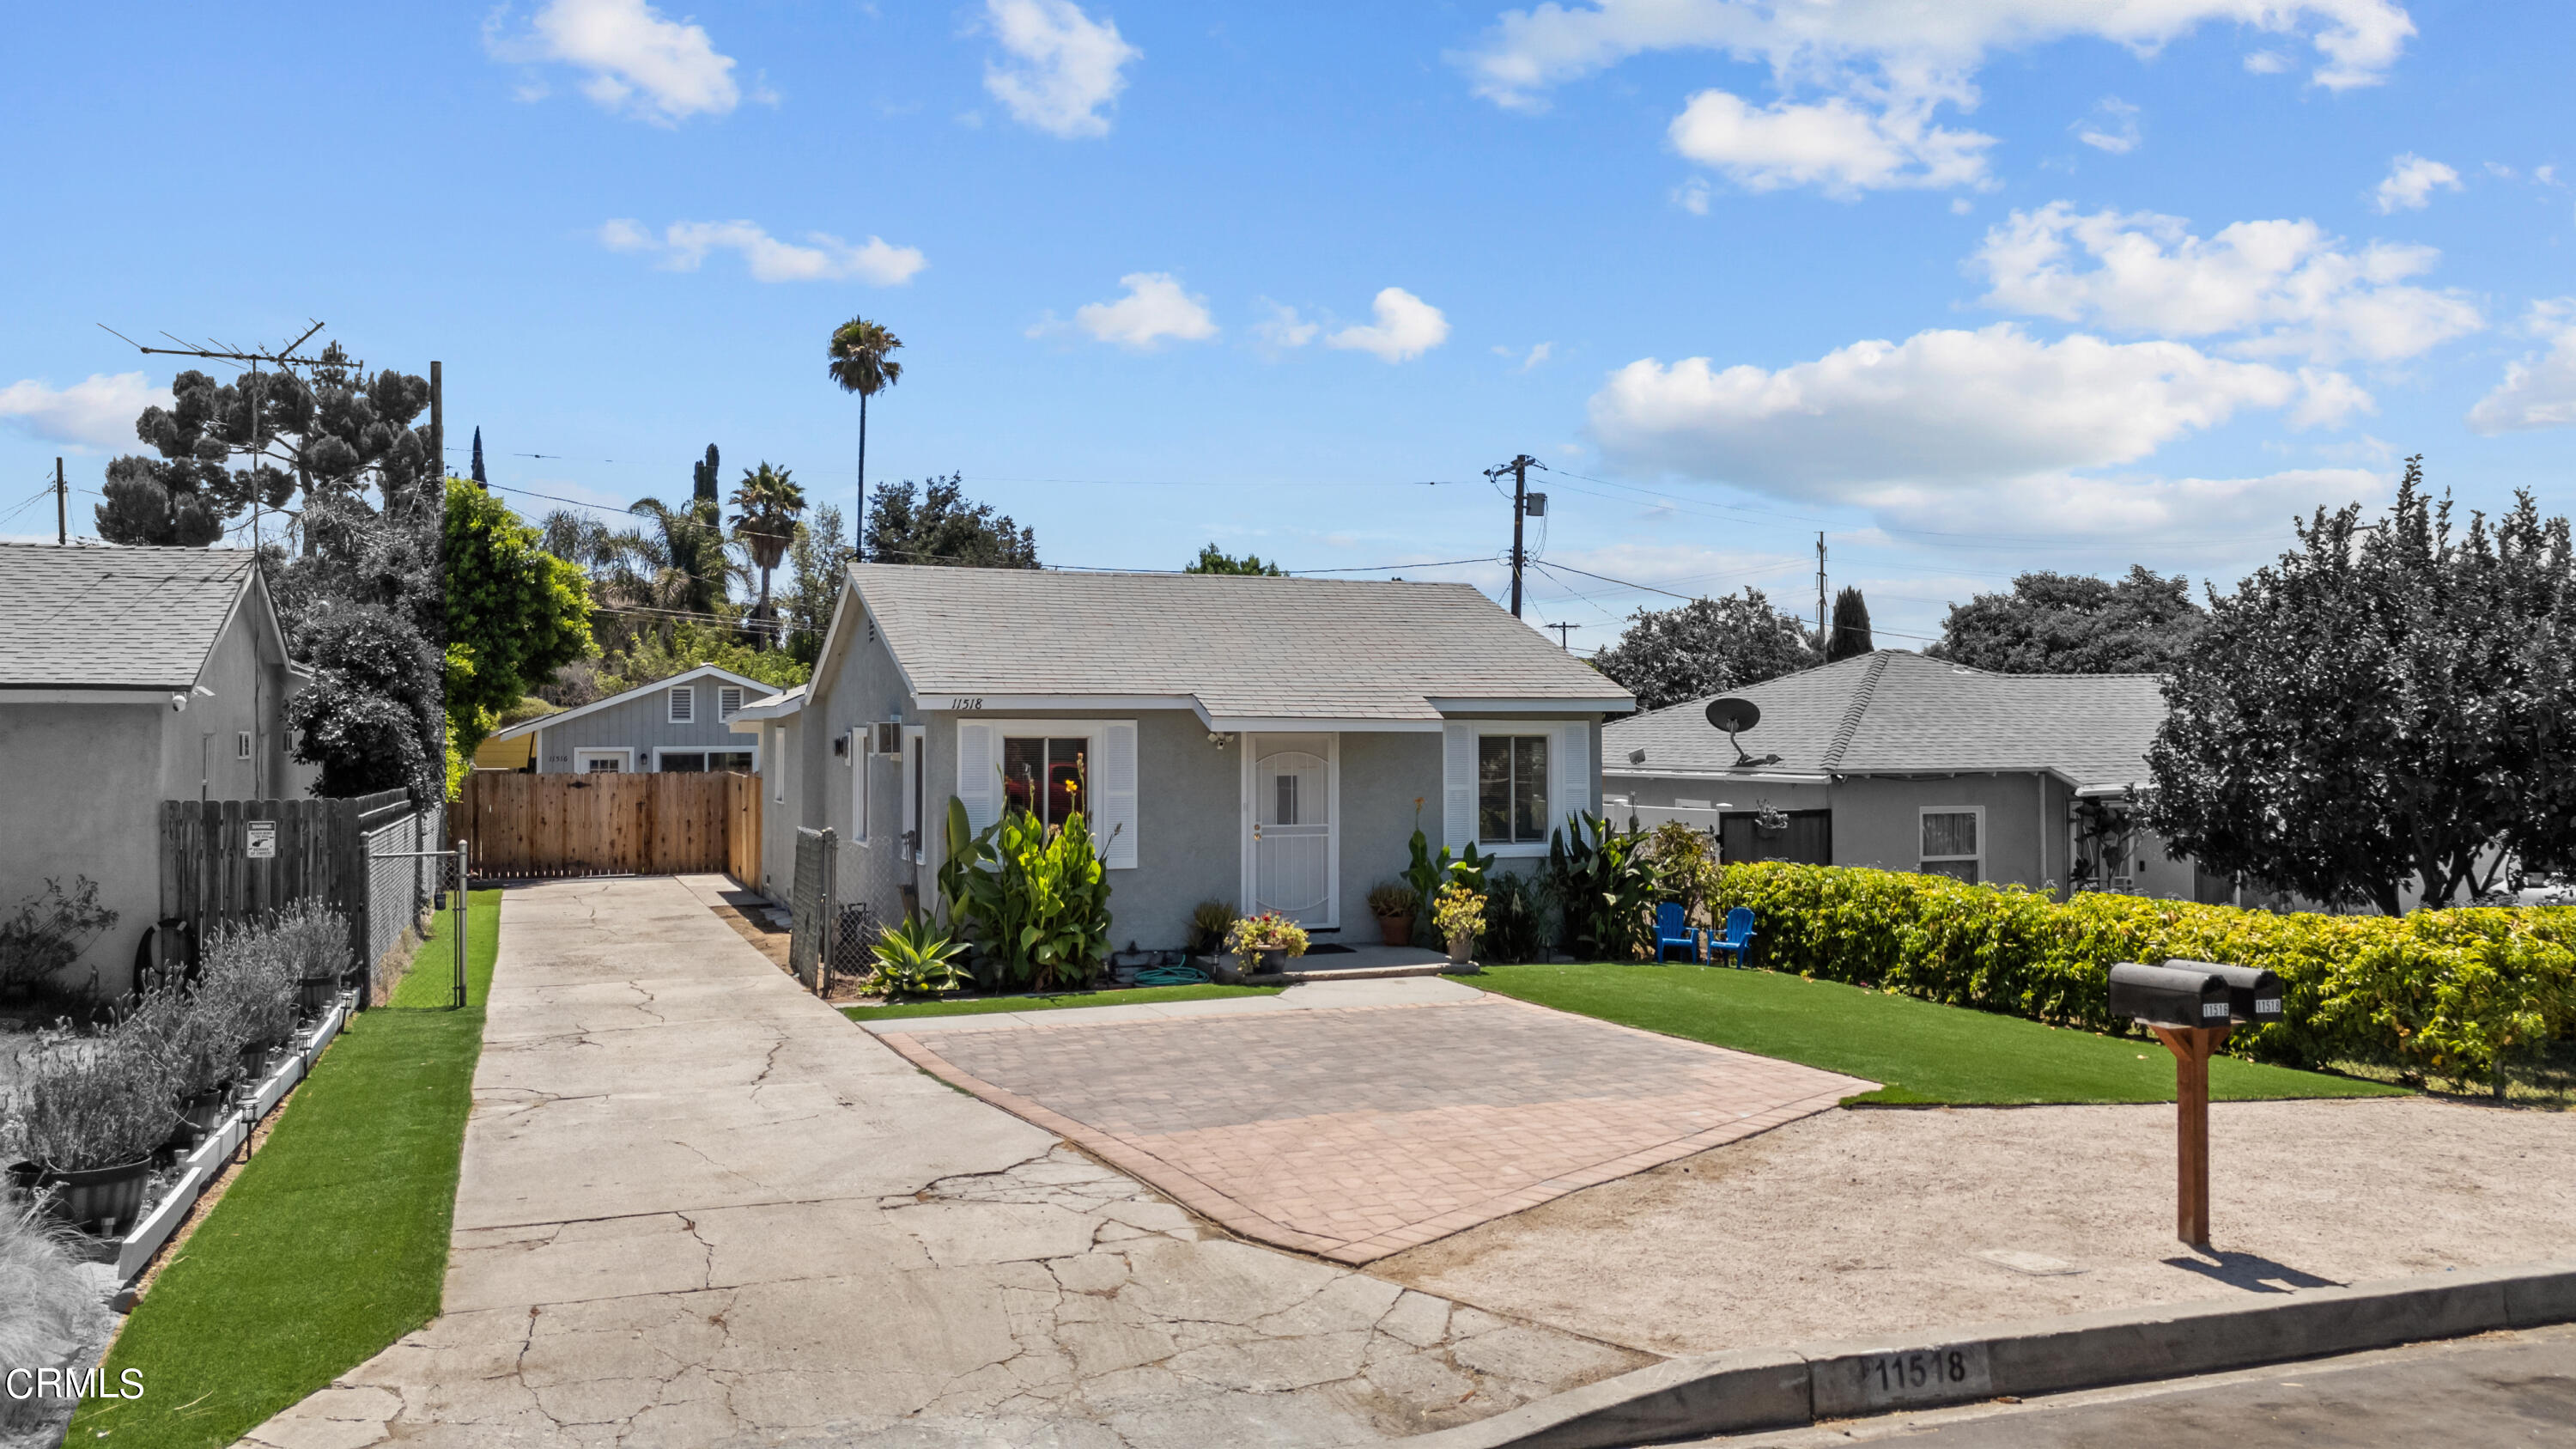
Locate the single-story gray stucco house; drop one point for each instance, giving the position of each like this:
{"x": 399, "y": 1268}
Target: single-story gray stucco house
{"x": 679, "y": 724}
{"x": 1270, "y": 743}
{"x": 1908, "y": 763}
{"x": 130, "y": 676}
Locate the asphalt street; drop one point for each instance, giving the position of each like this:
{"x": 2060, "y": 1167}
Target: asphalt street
{"x": 2497, "y": 1389}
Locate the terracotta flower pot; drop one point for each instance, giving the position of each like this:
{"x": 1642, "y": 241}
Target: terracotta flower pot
{"x": 1395, "y": 930}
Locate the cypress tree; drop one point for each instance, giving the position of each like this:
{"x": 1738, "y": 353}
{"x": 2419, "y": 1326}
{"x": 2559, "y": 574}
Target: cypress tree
{"x": 482, "y": 479}
{"x": 1851, "y": 627}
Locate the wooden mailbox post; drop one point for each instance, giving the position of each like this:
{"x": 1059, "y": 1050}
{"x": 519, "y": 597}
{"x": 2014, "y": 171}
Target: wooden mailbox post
{"x": 2191, "y": 1006}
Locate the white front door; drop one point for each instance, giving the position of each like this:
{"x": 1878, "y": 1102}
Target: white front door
{"x": 1293, "y": 799}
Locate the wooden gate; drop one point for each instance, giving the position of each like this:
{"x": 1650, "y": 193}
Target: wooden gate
{"x": 742, "y": 824}
{"x": 520, "y": 825}
{"x": 211, "y": 879}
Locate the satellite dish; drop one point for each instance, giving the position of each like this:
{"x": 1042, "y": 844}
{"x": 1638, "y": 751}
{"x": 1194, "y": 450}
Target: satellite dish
{"x": 1733, "y": 713}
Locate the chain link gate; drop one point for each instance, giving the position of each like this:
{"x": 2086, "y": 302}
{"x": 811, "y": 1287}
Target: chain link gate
{"x": 448, "y": 876}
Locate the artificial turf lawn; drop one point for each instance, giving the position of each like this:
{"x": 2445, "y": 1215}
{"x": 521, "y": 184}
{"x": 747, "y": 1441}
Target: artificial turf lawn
{"x": 1919, "y": 1051}
{"x": 978, "y": 1006}
{"x": 333, "y": 1241}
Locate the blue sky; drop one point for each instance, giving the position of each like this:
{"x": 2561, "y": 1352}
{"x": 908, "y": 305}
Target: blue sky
{"x": 1971, "y": 288}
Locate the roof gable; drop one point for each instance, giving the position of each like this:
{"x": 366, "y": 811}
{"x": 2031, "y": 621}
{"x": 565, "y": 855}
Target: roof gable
{"x": 100, "y": 617}
{"x": 752, "y": 689}
{"x": 1242, "y": 647}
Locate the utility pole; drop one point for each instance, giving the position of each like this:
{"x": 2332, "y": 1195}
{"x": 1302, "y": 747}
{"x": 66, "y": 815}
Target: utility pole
{"x": 62, "y": 508}
{"x": 1563, "y": 634}
{"x": 1823, "y": 644}
{"x": 438, "y": 428}
{"x": 1519, "y": 468}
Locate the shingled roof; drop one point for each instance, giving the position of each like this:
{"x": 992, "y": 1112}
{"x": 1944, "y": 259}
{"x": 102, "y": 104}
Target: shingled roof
{"x": 115, "y": 618}
{"x": 1243, "y": 647}
{"x": 1898, "y": 713}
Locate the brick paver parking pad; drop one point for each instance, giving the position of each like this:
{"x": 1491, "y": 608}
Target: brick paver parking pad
{"x": 1354, "y": 1133}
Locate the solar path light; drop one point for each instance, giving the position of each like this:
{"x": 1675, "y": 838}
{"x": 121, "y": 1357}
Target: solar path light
{"x": 2191, "y": 1006}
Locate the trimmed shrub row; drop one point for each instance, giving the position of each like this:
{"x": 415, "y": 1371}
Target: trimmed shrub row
{"x": 2454, "y": 993}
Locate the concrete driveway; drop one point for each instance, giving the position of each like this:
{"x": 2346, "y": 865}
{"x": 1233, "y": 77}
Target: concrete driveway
{"x": 700, "y": 1208}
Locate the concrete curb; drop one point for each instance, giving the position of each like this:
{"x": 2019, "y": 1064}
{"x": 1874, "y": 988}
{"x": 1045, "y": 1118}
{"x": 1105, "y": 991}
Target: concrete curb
{"x": 1750, "y": 1389}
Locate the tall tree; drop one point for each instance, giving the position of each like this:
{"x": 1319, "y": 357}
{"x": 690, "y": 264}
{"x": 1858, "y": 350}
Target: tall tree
{"x": 814, "y": 576}
{"x": 2387, "y": 703}
{"x": 515, "y": 613}
{"x": 1851, "y": 627}
{"x": 862, "y": 361}
{"x": 2074, "y": 624}
{"x": 1705, "y": 647}
{"x": 1212, "y": 560}
{"x": 941, "y": 527}
{"x": 766, "y": 505}
{"x": 706, "y": 480}
{"x": 481, "y": 478}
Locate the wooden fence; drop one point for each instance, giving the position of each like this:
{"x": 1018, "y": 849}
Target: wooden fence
{"x": 521, "y": 825}
{"x": 742, "y": 825}
{"x": 210, "y": 877}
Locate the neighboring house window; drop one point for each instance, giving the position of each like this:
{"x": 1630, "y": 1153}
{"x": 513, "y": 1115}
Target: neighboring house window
{"x": 728, "y": 701}
{"x": 241, "y": 745}
{"x": 1511, "y": 789}
{"x": 693, "y": 762}
{"x": 684, "y": 704}
{"x": 1954, "y": 842}
{"x": 603, "y": 762}
{"x": 1045, "y": 776}
{"x": 861, "y": 755}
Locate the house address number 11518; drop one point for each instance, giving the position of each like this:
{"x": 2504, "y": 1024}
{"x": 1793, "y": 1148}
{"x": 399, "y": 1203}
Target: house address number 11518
{"x": 966, "y": 704}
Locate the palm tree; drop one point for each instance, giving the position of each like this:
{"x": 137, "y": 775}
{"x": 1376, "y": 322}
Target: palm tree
{"x": 684, "y": 554}
{"x": 766, "y": 504}
{"x": 862, "y": 362}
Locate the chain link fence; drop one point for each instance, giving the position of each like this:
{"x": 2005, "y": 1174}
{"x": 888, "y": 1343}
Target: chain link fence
{"x": 401, "y": 892}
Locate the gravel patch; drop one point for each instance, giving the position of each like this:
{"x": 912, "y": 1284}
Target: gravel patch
{"x": 1865, "y": 1221}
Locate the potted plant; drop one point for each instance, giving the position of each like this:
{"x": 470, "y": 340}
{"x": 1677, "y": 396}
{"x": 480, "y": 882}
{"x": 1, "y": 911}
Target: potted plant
{"x": 1209, "y": 923}
{"x": 91, "y": 1112}
{"x": 1460, "y": 915}
{"x": 312, "y": 943}
{"x": 1266, "y": 942}
{"x": 200, "y": 1044}
{"x": 916, "y": 958}
{"x": 1395, "y": 904}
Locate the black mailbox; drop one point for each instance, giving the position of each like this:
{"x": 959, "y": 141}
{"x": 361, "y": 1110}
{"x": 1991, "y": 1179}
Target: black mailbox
{"x": 2178, "y": 994}
{"x": 2253, "y": 996}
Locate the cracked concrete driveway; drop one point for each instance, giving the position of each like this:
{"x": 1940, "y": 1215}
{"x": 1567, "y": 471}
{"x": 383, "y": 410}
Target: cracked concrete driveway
{"x": 700, "y": 1208}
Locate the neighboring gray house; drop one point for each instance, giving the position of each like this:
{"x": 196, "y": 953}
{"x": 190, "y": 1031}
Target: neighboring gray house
{"x": 1270, "y": 743}
{"x": 675, "y": 725}
{"x": 130, "y": 676}
{"x": 1903, "y": 762}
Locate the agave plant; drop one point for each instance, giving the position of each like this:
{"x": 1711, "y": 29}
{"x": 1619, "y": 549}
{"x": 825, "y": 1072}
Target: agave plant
{"x": 916, "y": 958}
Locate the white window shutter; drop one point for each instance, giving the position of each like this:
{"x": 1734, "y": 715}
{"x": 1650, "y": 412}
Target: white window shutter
{"x": 1458, "y": 786}
{"x": 1573, "y": 773}
{"x": 978, "y": 780}
{"x": 1114, "y": 795}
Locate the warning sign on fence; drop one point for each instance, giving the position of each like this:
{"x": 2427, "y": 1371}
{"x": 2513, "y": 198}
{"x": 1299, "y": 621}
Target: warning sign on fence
{"x": 261, "y": 837}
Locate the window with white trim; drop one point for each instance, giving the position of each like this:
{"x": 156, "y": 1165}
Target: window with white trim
{"x": 1045, "y": 776}
{"x": 684, "y": 704}
{"x": 241, "y": 745}
{"x": 1954, "y": 841}
{"x": 728, "y": 701}
{"x": 861, "y": 756}
{"x": 1511, "y": 789}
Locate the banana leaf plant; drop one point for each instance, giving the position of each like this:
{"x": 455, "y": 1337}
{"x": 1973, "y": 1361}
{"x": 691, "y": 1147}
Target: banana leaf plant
{"x": 1605, "y": 887}
{"x": 1034, "y": 898}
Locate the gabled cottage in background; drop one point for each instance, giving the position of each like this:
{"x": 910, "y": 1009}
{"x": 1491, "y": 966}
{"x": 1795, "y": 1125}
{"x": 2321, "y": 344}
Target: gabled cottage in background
{"x": 1904, "y": 762}
{"x": 129, "y": 676}
{"x": 675, "y": 725}
{"x": 1271, "y": 743}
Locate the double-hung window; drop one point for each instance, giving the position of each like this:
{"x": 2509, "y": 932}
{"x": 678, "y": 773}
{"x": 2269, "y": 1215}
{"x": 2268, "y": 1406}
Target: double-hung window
{"x": 1954, "y": 841}
{"x": 1045, "y": 776}
{"x": 1511, "y": 789}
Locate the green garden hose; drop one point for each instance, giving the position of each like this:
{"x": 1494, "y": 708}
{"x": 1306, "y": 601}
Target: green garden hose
{"x": 1171, "y": 976}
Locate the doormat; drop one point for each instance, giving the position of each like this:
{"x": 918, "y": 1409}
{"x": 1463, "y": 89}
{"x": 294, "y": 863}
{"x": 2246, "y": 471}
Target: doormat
{"x": 1329, "y": 949}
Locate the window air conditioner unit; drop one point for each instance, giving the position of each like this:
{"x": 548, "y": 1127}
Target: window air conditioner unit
{"x": 890, "y": 737}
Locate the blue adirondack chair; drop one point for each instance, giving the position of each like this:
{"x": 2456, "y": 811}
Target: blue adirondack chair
{"x": 1738, "y": 935}
{"x": 1672, "y": 930}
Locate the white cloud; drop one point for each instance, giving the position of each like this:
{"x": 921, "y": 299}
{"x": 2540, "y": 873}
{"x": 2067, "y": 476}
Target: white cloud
{"x": 1881, "y": 66}
{"x": 1154, "y": 308}
{"x": 1064, "y": 67}
{"x": 2280, "y": 287}
{"x": 2539, "y": 391}
{"x": 2181, "y": 518}
{"x": 822, "y": 257}
{"x": 2410, "y": 182}
{"x": 1406, "y": 328}
{"x": 1941, "y": 409}
{"x": 2267, "y": 62}
{"x": 1283, "y": 328}
{"x": 1692, "y": 196}
{"x": 2112, "y": 127}
{"x": 97, "y": 412}
{"x": 1841, "y": 148}
{"x": 640, "y": 64}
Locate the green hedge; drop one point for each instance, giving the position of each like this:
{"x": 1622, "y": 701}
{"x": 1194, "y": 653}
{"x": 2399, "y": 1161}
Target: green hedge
{"x": 2454, "y": 993}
